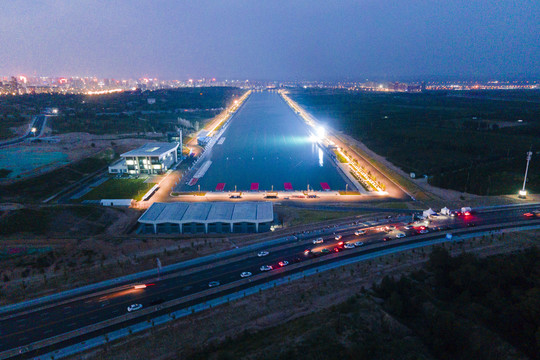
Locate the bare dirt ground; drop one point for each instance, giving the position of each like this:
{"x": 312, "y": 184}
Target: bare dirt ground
{"x": 275, "y": 307}
{"x": 78, "y": 146}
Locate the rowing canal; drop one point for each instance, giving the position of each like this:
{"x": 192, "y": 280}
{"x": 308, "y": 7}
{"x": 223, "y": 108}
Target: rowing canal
{"x": 267, "y": 144}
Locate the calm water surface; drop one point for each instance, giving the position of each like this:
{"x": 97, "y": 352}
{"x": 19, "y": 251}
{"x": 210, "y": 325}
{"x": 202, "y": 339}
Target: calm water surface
{"x": 267, "y": 143}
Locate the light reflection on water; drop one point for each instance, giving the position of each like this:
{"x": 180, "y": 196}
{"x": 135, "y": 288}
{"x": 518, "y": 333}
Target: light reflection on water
{"x": 268, "y": 145}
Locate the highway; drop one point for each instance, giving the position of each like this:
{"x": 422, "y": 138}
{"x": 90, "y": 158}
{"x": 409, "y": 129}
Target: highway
{"x": 38, "y": 123}
{"x": 21, "y": 328}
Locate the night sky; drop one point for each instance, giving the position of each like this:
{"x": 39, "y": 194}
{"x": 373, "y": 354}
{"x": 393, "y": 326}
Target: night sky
{"x": 285, "y": 40}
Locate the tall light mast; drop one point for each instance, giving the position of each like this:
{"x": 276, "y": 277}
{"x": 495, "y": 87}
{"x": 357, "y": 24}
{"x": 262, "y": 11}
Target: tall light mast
{"x": 523, "y": 192}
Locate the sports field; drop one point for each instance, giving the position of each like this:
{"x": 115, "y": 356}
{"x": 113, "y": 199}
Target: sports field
{"x": 267, "y": 144}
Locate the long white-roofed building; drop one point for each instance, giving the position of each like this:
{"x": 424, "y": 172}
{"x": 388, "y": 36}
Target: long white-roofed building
{"x": 208, "y": 217}
{"x": 152, "y": 158}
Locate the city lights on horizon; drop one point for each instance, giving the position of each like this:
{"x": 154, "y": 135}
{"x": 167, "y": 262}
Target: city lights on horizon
{"x": 22, "y": 84}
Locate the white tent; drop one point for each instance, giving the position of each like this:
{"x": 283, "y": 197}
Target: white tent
{"x": 427, "y": 213}
{"x": 445, "y": 211}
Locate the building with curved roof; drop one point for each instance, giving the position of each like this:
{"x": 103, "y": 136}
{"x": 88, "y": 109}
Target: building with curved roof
{"x": 208, "y": 217}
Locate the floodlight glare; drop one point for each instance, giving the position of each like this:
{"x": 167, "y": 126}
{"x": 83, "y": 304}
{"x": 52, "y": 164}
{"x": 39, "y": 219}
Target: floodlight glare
{"x": 321, "y": 132}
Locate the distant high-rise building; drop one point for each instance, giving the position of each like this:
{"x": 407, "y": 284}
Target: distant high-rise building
{"x": 13, "y": 85}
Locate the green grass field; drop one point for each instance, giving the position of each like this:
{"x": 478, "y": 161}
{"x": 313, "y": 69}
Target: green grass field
{"x": 292, "y": 216}
{"x": 119, "y": 189}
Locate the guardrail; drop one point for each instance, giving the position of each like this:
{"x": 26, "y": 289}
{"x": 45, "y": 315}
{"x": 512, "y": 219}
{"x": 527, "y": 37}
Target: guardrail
{"x": 117, "y": 334}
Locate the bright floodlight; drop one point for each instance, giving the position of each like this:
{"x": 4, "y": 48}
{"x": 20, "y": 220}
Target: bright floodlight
{"x": 321, "y": 132}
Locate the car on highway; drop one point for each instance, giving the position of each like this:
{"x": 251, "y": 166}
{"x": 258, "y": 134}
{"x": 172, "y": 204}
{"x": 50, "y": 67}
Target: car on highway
{"x": 325, "y": 251}
{"x": 336, "y": 249}
{"x": 408, "y": 227}
{"x": 213, "y": 283}
{"x": 263, "y": 253}
{"x": 400, "y": 235}
{"x": 360, "y": 232}
{"x": 387, "y": 238}
{"x": 283, "y": 263}
{"x": 318, "y": 241}
{"x": 532, "y": 214}
{"x": 338, "y": 237}
{"x": 348, "y": 246}
{"x": 134, "y": 307}
{"x": 358, "y": 243}
{"x": 266, "y": 268}
{"x": 245, "y": 274}
{"x": 423, "y": 231}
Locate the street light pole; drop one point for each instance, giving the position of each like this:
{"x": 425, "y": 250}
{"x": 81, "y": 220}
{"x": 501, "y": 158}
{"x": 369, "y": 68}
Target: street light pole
{"x": 523, "y": 192}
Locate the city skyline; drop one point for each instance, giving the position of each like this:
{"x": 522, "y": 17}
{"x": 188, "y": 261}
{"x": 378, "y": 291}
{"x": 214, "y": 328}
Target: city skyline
{"x": 272, "y": 40}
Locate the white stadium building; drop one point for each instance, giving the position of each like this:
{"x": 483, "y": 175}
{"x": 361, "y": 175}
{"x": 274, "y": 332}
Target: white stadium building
{"x": 152, "y": 158}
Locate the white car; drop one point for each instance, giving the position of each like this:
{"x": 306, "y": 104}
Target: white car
{"x": 245, "y": 274}
{"x": 424, "y": 231}
{"x": 283, "y": 263}
{"x": 318, "y": 241}
{"x": 358, "y": 243}
{"x": 263, "y": 253}
{"x": 338, "y": 237}
{"x": 360, "y": 232}
{"x": 213, "y": 283}
{"x": 400, "y": 235}
{"x": 266, "y": 268}
{"x": 348, "y": 246}
{"x": 134, "y": 307}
